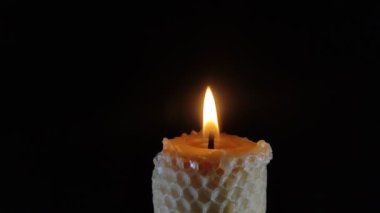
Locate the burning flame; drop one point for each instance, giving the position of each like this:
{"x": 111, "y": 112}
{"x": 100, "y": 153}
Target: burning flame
{"x": 210, "y": 118}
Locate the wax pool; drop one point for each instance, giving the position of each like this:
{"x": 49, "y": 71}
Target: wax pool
{"x": 188, "y": 177}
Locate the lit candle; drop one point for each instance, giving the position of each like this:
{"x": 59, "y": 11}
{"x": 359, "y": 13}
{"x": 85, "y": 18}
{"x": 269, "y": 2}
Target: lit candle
{"x": 211, "y": 172}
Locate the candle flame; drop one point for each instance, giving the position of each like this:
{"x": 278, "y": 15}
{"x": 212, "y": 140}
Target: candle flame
{"x": 210, "y": 118}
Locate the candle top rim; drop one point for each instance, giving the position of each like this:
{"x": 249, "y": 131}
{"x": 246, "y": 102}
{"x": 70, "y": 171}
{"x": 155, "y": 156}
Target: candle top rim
{"x": 195, "y": 145}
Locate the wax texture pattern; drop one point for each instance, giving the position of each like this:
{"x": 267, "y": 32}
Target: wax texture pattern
{"x": 201, "y": 184}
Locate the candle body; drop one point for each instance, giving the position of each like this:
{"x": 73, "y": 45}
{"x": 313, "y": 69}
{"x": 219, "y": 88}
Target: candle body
{"x": 188, "y": 179}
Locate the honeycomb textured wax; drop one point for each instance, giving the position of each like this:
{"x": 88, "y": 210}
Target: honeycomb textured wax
{"x": 211, "y": 183}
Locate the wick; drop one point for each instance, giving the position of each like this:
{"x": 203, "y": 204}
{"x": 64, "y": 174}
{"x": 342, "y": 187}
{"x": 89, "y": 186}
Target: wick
{"x": 211, "y": 141}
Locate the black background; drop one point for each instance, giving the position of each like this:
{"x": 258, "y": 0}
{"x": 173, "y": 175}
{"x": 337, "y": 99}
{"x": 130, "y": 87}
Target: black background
{"x": 89, "y": 91}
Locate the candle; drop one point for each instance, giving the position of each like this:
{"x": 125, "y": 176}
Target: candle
{"x": 209, "y": 171}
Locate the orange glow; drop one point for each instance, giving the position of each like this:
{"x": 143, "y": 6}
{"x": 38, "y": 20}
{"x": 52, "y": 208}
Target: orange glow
{"x": 210, "y": 117}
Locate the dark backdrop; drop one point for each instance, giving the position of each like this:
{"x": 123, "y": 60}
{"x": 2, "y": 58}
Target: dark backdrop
{"x": 89, "y": 91}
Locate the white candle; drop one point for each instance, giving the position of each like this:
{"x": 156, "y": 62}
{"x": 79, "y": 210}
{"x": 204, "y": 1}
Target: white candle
{"x": 189, "y": 176}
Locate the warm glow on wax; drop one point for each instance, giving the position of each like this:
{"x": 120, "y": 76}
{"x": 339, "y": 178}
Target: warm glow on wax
{"x": 210, "y": 118}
